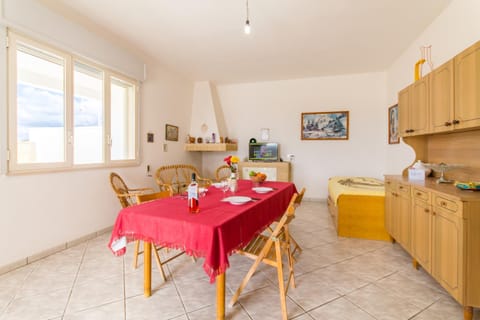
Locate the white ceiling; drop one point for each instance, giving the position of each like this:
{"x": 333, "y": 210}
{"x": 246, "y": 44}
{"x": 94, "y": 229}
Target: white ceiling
{"x": 204, "y": 39}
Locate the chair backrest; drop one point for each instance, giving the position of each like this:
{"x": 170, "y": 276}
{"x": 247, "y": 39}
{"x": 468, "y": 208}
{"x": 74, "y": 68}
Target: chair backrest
{"x": 120, "y": 189}
{"x": 153, "y": 196}
{"x": 176, "y": 176}
{"x": 298, "y": 200}
{"x": 222, "y": 172}
{"x": 286, "y": 219}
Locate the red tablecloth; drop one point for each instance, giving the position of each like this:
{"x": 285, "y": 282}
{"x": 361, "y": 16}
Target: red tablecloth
{"x": 214, "y": 233}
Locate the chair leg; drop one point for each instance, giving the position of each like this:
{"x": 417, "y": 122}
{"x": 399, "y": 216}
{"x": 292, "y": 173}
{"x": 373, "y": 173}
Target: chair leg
{"x": 245, "y": 280}
{"x": 296, "y": 246}
{"x": 281, "y": 284}
{"x": 135, "y": 253}
{"x": 291, "y": 275}
{"x": 159, "y": 263}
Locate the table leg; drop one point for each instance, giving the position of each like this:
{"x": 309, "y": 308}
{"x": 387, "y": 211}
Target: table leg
{"x": 147, "y": 269}
{"x": 220, "y": 296}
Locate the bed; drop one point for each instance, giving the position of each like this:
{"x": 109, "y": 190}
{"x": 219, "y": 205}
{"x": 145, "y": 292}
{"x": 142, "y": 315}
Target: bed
{"x": 357, "y": 207}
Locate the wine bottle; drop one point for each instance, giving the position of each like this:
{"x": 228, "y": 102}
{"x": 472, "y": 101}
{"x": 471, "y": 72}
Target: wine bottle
{"x": 193, "y": 205}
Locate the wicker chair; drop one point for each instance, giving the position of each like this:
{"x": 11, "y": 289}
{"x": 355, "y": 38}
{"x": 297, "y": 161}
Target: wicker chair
{"x": 222, "y": 172}
{"x": 177, "y": 177}
{"x": 125, "y": 195}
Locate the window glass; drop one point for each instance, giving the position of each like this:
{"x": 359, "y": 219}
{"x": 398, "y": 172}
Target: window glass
{"x": 60, "y": 115}
{"x": 122, "y": 120}
{"x": 88, "y": 115}
{"x": 40, "y": 107}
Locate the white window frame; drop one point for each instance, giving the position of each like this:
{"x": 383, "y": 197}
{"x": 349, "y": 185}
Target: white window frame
{"x": 16, "y": 168}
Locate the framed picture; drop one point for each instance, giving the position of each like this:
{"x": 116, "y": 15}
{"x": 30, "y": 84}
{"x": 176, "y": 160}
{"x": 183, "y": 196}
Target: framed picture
{"x": 393, "y": 136}
{"x": 325, "y": 125}
{"x": 171, "y": 132}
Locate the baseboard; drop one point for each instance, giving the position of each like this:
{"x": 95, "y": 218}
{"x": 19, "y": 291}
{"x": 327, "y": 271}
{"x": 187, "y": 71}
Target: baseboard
{"x": 45, "y": 253}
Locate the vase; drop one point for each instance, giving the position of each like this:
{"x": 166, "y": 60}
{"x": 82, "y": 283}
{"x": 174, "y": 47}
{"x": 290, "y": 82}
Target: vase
{"x": 233, "y": 182}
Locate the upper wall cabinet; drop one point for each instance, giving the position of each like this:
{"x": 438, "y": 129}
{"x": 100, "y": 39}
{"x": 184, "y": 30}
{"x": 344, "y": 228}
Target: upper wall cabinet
{"x": 413, "y": 108}
{"x": 441, "y": 98}
{"x": 447, "y": 99}
{"x": 467, "y": 88}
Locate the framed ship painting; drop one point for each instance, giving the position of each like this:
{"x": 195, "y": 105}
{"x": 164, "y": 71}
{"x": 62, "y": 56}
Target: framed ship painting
{"x": 393, "y": 136}
{"x": 325, "y": 125}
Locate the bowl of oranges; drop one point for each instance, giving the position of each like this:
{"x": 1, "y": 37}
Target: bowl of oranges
{"x": 257, "y": 177}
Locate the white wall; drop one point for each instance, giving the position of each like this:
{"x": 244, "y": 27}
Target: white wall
{"x": 278, "y": 105}
{"x": 456, "y": 28}
{"x": 42, "y": 211}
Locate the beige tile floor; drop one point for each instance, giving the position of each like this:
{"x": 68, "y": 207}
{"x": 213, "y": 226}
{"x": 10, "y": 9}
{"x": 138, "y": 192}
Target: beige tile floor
{"x": 337, "y": 278}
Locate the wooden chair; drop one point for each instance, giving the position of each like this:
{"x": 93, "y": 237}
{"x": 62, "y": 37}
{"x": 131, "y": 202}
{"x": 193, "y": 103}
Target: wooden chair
{"x": 178, "y": 177}
{"x": 269, "y": 250}
{"x": 222, "y": 172}
{"x": 298, "y": 202}
{"x": 125, "y": 195}
{"x": 296, "y": 246}
{"x": 150, "y": 197}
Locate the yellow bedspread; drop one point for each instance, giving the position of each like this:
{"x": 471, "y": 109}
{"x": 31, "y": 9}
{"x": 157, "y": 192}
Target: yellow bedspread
{"x": 355, "y": 186}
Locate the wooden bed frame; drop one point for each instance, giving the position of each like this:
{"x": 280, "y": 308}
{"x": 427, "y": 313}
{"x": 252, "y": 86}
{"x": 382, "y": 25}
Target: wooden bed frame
{"x": 359, "y": 216}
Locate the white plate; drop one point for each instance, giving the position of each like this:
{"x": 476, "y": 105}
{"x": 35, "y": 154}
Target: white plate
{"x": 262, "y": 189}
{"x": 237, "y": 200}
{"x": 217, "y": 185}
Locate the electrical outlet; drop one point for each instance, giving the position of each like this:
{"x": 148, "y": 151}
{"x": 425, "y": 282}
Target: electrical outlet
{"x": 290, "y": 157}
{"x": 165, "y": 147}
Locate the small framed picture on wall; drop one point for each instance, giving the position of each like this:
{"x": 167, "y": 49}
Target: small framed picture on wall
{"x": 393, "y": 136}
{"x": 171, "y": 132}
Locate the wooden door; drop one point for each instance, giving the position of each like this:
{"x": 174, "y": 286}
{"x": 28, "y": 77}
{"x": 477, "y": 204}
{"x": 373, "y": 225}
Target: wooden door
{"x": 442, "y": 98}
{"x": 467, "y": 88}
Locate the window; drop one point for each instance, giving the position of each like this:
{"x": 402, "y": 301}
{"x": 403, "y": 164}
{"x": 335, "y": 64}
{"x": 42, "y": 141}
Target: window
{"x": 65, "y": 112}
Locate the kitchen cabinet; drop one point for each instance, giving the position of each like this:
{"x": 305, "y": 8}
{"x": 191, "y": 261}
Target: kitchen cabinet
{"x": 389, "y": 206}
{"x": 397, "y": 212}
{"x": 444, "y": 234}
{"x": 446, "y": 99}
{"x": 448, "y": 245}
{"x": 413, "y": 108}
{"x": 442, "y": 98}
{"x": 467, "y": 88}
{"x": 422, "y": 228}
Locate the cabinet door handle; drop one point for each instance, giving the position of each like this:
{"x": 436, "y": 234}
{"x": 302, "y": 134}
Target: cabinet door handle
{"x": 418, "y": 194}
{"x": 427, "y": 211}
{"x": 456, "y": 121}
{"x": 447, "y": 124}
{"x": 434, "y": 213}
{"x": 443, "y": 203}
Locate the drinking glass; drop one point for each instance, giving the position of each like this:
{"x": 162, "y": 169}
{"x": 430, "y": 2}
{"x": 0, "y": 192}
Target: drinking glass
{"x": 225, "y": 187}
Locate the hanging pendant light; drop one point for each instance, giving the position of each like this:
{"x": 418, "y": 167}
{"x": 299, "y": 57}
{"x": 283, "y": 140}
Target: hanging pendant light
{"x": 247, "y": 28}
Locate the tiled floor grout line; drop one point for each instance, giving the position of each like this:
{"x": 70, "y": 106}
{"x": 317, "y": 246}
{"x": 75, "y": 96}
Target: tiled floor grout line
{"x": 178, "y": 292}
{"x": 75, "y": 280}
{"x": 124, "y": 290}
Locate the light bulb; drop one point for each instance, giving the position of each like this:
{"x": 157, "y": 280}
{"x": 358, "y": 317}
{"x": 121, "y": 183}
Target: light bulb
{"x": 247, "y": 28}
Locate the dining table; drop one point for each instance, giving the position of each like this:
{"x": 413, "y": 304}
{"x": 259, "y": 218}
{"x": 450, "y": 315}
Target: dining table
{"x": 225, "y": 222}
